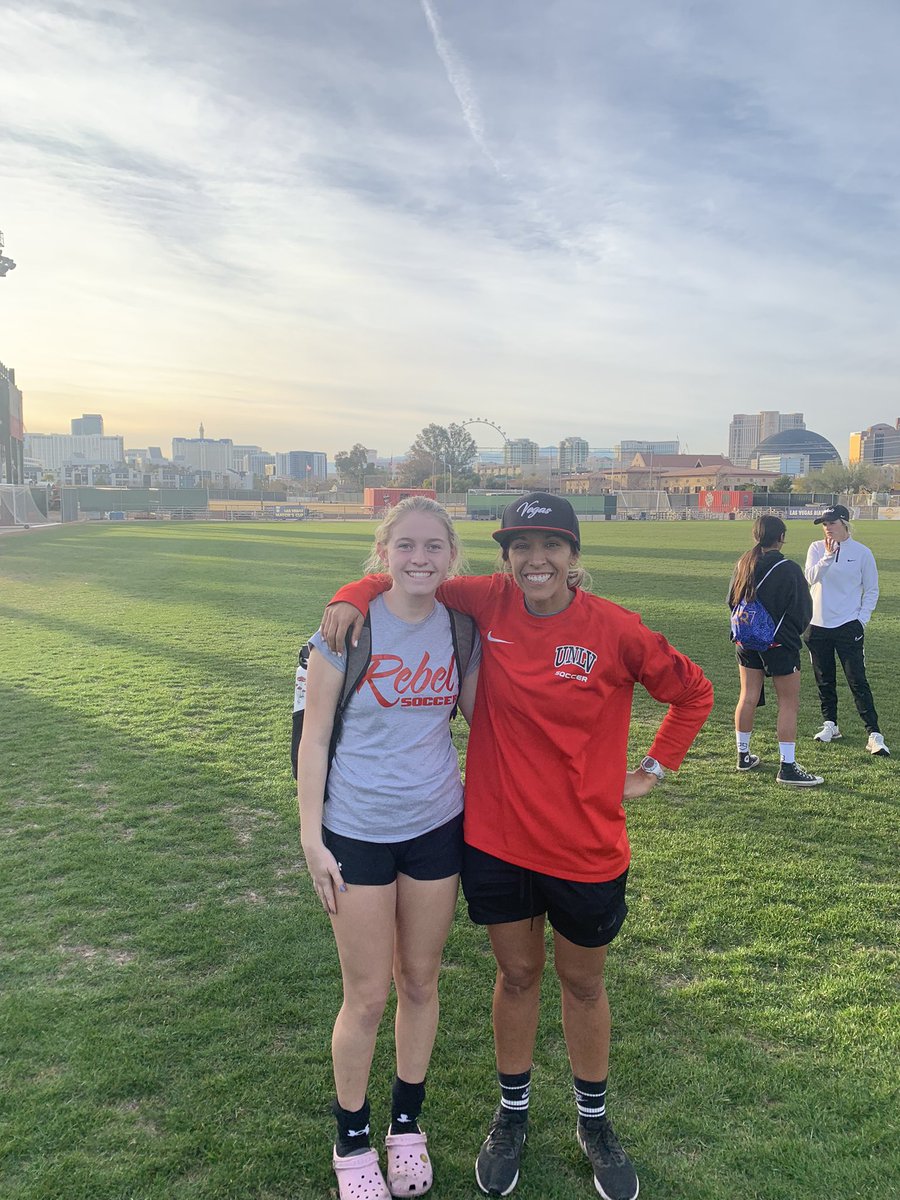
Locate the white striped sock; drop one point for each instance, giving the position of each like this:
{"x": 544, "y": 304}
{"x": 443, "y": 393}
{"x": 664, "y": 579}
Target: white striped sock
{"x": 590, "y": 1098}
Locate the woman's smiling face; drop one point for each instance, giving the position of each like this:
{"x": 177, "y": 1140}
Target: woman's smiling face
{"x": 540, "y": 564}
{"x": 418, "y": 554}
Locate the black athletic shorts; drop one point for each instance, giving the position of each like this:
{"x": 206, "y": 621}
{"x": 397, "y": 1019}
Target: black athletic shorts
{"x": 497, "y": 893}
{"x": 777, "y": 661}
{"x": 433, "y": 855}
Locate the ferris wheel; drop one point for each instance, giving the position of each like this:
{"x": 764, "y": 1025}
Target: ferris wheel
{"x": 485, "y": 421}
{"x": 505, "y": 468}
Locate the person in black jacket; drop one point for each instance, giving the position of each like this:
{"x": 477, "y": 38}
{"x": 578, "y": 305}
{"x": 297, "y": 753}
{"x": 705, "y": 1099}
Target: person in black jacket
{"x": 781, "y": 587}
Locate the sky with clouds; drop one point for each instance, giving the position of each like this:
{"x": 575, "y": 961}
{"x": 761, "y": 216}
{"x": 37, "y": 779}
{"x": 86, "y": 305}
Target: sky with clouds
{"x": 309, "y": 224}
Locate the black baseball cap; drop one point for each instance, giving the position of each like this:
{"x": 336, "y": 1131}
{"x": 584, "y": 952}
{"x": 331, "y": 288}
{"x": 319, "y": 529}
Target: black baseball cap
{"x": 539, "y": 511}
{"x": 838, "y": 513}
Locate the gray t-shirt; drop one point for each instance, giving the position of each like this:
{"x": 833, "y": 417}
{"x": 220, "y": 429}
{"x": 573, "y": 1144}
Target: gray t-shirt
{"x": 395, "y": 774}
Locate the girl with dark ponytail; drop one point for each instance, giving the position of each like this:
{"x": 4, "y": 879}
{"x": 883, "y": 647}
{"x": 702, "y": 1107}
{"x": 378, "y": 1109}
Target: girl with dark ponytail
{"x": 779, "y": 584}
{"x": 768, "y": 534}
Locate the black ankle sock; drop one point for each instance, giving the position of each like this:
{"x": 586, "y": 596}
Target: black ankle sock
{"x": 590, "y": 1098}
{"x": 406, "y": 1104}
{"x": 352, "y": 1129}
{"x": 514, "y": 1093}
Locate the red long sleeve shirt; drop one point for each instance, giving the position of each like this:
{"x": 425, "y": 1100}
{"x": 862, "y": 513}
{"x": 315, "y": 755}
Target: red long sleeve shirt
{"x": 548, "y": 745}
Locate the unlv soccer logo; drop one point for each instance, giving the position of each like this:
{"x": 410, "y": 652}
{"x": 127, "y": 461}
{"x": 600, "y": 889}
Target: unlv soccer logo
{"x": 578, "y": 657}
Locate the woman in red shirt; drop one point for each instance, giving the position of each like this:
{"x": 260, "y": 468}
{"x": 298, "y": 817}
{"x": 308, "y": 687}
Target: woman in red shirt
{"x": 546, "y": 776}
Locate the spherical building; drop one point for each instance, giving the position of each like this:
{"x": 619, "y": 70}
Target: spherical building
{"x": 800, "y": 449}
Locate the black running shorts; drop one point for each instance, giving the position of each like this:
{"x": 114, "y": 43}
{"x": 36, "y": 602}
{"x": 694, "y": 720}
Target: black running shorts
{"x": 777, "y": 661}
{"x": 433, "y": 855}
{"x": 497, "y": 893}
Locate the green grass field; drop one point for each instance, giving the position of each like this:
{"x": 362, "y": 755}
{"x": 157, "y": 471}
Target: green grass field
{"x": 169, "y": 982}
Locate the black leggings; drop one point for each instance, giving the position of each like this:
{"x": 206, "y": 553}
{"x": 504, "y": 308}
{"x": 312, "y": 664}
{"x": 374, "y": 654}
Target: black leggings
{"x": 848, "y": 642}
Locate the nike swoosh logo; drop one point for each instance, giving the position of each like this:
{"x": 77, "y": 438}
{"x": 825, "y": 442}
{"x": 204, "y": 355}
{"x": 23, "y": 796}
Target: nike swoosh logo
{"x": 491, "y": 638}
{"x": 859, "y": 639}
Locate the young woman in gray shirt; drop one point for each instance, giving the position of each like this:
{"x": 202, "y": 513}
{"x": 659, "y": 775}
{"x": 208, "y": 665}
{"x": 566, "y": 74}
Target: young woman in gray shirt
{"x": 383, "y": 840}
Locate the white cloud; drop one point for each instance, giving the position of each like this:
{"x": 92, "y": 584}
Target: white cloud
{"x": 285, "y": 229}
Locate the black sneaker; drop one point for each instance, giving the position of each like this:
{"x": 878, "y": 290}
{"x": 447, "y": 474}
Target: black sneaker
{"x": 497, "y": 1164}
{"x": 746, "y": 762}
{"x": 614, "y": 1176}
{"x": 794, "y": 774}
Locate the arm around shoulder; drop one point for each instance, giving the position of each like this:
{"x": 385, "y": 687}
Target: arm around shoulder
{"x": 347, "y": 609}
{"x": 470, "y": 594}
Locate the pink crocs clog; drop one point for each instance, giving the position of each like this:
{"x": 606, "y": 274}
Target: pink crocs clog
{"x": 359, "y": 1176}
{"x": 409, "y": 1170}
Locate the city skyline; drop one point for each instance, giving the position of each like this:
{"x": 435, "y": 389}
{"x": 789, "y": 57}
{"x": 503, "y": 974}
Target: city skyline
{"x": 745, "y": 432}
{"x": 343, "y": 224}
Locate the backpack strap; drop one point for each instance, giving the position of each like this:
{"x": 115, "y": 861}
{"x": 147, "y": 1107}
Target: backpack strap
{"x": 762, "y": 581}
{"x": 462, "y": 631}
{"x": 358, "y": 658}
{"x": 769, "y": 572}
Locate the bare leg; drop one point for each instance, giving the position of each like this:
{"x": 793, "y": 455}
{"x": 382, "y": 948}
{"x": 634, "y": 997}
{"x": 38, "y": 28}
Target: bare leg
{"x": 585, "y": 1007}
{"x": 425, "y": 910}
{"x": 751, "y": 686}
{"x": 519, "y": 950}
{"x": 787, "y": 689}
{"x": 364, "y": 932}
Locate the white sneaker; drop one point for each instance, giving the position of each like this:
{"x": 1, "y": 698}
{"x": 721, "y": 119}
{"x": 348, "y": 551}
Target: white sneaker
{"x": 828, "y": 733}
{"x": 875, "y": 745}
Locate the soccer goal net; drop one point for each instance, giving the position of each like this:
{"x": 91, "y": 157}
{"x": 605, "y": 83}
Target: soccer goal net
{"x": 17, "y": 506}
{"x": 650, "y": 504}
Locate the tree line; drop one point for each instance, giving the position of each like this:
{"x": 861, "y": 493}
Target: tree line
{"x": 442, "y": 457}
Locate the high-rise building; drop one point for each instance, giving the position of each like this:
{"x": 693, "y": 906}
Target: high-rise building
{"x": 258, "y": 464}
{"x": 572, "y": 453}
{"x": 12, "y": 429}
{"x": 210, "y": 457}
{"x": 877, "y": 446}
{"x": 55, "y": 451}
{"x": 747, "y": 430}
{"x": 628, "y": 448}
{"x": 88, "y": 425}
{"x": 520, "y": 452}
{"x": 312, "y": 465}
{"x": 307, "y": 465}
{"x": 240, "y": 455}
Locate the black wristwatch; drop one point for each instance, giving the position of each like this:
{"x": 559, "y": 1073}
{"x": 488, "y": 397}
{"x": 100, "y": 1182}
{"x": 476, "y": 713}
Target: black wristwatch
{"x": 651, "y": 767}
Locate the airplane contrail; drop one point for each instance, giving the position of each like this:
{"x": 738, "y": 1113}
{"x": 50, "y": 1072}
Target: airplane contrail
{"x": 458, "y": 78}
